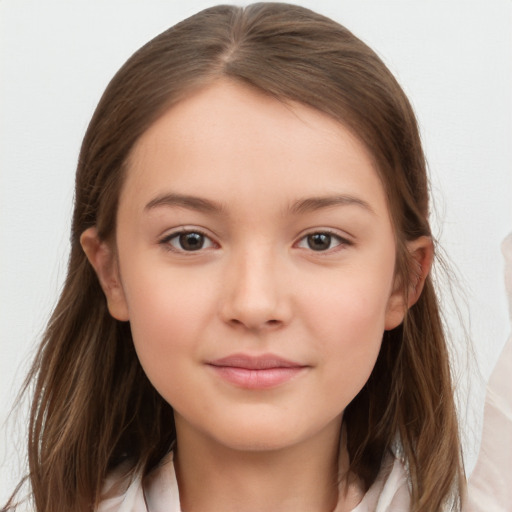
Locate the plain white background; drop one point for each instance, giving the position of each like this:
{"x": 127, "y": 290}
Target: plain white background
{"x": 453, "y": 58}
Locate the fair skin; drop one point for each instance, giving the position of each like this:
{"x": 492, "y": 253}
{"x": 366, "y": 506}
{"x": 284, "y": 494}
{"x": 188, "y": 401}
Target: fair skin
{"x": 254, "y": 259}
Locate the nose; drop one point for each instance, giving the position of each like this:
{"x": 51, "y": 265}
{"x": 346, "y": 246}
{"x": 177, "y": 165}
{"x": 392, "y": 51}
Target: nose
{"x": 256, "y": 295}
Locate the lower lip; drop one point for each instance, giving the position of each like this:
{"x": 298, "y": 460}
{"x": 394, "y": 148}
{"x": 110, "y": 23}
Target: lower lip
{"x": 257, "y": 379}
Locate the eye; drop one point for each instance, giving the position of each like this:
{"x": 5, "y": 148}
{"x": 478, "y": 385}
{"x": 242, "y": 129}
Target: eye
{"x": 321, "y": 241}
{"x": 188, "y": 241}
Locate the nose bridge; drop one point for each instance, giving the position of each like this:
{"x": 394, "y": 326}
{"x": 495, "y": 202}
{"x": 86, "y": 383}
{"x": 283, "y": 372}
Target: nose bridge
{"x": 254, "y": 296}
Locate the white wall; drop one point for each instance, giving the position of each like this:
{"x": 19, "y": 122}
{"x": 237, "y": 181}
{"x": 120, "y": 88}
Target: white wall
{"x": 454, "y": 59}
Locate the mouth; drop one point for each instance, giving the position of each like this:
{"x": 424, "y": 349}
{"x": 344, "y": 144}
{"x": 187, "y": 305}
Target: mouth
{"x": 256, "y": 372}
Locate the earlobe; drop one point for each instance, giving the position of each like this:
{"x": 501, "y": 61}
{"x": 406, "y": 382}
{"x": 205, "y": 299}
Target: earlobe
{"x": 421, "y": 253}
{"x": 103, "y": 260}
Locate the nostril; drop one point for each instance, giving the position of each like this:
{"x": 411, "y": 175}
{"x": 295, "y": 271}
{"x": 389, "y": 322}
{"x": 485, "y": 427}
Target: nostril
{"x": 265, "y": 324}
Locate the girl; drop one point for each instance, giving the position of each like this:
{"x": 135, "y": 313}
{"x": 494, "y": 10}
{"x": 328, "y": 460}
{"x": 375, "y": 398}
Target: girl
{"x": 248, "y": 320}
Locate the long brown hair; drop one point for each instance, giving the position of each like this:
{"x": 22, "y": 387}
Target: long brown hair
{"x": 93, "y": 405}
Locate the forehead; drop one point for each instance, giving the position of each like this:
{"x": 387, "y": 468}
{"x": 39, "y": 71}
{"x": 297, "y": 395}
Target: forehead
{"x": 235, "y": 142}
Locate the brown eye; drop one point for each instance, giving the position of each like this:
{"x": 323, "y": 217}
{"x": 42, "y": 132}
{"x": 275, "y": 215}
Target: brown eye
{"x": 191, "y": 241}
{"x": 322, "y": 241}
{"x": 188, "y": 241}
{"x": 319, "y": 241}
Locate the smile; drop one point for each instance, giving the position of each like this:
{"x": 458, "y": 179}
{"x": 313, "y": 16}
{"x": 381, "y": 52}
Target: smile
{"x": 262, "y": 372}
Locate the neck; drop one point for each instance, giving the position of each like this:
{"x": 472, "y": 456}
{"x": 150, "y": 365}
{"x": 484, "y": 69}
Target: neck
{"x": 298, "y": 478}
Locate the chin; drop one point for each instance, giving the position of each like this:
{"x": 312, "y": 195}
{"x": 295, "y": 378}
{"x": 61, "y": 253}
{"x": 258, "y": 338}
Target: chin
{"x": 263, "y": 436}
{"x": 257, "y": 443}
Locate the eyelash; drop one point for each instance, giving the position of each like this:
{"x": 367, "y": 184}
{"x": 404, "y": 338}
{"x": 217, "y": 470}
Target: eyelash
{"x": 166, "y": 241}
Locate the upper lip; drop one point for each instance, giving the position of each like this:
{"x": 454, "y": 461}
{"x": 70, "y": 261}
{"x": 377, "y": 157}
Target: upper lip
{"x": 261, "y": 362}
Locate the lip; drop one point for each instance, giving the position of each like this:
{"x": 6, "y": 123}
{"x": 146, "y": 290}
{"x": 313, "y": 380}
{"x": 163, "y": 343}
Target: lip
{"x": 256, "y": 372}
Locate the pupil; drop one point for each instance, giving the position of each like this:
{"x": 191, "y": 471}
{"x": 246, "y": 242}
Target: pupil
{"x": 191, "y": 241}
{"x": 319, "y": 241}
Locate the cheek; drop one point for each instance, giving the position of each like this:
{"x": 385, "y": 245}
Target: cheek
{"x": 352, "y": 306}
{"x": 168, "y": 316}
{"x": 355, "y": 335}
{"x": 349, "y": 321}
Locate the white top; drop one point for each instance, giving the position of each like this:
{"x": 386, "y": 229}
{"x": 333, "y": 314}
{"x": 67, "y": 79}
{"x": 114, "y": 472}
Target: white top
{"x": 489, "y": 488}
{"x": 159, "y": 491}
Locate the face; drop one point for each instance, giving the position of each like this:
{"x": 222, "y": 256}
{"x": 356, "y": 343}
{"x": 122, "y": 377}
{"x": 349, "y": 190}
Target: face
{"x": 255, "y": 263}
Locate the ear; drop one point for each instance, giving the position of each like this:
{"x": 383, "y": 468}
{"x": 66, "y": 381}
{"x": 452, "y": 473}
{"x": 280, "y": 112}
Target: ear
{"x": 421, "y": 252}
{"x": 103, "y": 259}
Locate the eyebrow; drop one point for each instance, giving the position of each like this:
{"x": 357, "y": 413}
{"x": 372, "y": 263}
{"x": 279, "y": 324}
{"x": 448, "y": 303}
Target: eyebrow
{"x": 185, "y": 201}
{"x": 301, "y": 206}
{"x": 317, "y": 203}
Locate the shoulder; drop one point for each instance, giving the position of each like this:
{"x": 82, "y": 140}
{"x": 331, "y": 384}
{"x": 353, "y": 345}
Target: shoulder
{"x": 391, "y": 490}
{"x": 131, "y": 492}
{"x": 122, "y": 492}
